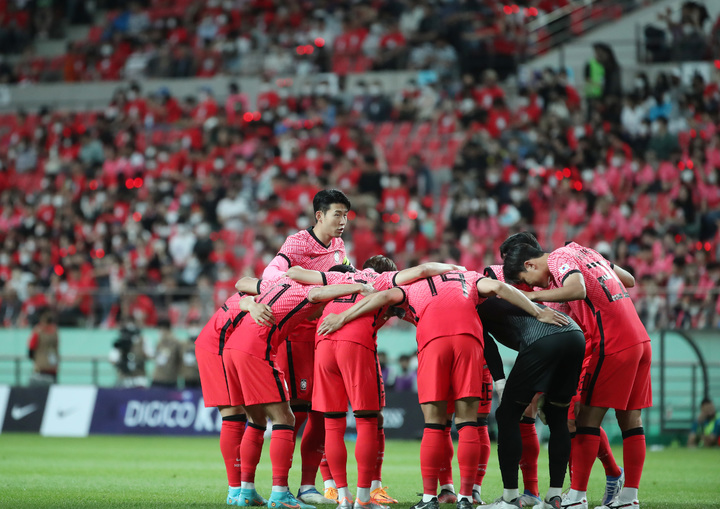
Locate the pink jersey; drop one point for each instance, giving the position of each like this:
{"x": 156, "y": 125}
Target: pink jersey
{"x": 216, "y": 331}
{"x": 444, "y": 306}
{"x": 496, "y": 272}
{"x": 305, "y": 250}
{"x": 362, "y": 330}
{"x": 607, "y": 316}
{"x": 290, "y": 306}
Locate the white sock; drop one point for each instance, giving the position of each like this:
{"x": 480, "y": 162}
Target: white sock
{"x": 510, "y": 495}
{"x": 477, "y": 487}
{"x": 247, "y": 485}
{"x": 376, "y": 484}
{"x": 553, "y": 492}
{"x": 345, "y": 493}
{"x": 576, "y": 496}
{"x": 280, "y": 489}
{"x": 448, "y": 487}
{"x": 363, "y": 494}
{"x": 234, "y": 487}
{"x": 464, "y": 497}
{"x": 428, "y": 498}
{"x": 628, "y": 494}
{"x": 330, "y": 483}
{"x": 305, "y": 487}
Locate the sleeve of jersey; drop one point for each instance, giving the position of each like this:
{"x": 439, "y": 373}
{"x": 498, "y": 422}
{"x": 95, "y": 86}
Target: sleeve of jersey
{"x": 335, "y": 278}
{"x": 385, "y": 281}
{"x": 290, "y": 251}
{"x": 492, "y": 357}
{"x": 562, "y": 265}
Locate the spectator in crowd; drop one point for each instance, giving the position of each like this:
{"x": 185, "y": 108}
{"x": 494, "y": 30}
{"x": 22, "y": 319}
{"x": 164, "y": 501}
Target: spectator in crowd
{"x": 406, "y": 379}
{"x": 168, "y": 358}
{"x": 706, "y": 428}
{"x": 44, "y": 350}
{"x": 189, "y": 371}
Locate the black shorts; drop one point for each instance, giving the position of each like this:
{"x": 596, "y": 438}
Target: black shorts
{"x": 552, "y": 365}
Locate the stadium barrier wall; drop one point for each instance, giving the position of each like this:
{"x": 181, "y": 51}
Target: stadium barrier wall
{"x": 82, "y": 410}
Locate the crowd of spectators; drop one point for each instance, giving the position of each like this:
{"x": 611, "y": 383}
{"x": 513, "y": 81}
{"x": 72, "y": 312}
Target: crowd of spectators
{"x": 153, "y": 207}
{"x": 688, "y": 35}
{"x": 203, "y": 38}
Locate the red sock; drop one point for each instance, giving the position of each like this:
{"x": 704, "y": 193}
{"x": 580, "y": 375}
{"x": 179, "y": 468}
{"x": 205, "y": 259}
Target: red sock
{"x": 301, "y": 416}
{"x": 606, "y": 456}
{"x": 484, "y": 438}
{"x": 570, "y": 463}
{"x": 281, "y": 453}
{"x": 312, "y": 447}
{"x": 380, "y": 454}
{"x": 468, "y": 454}
{"x": 432, "y": 450}
{"x": 633, "y": 456}
{"x": 231, "y": 433}
{"x": 366, "y": 449}
{"x": 584, "y": 452}
{"x": 446, "y": 473}
{"x": 250, "y": 451}
{"x": 529, "y": 459}
{"x": 335, "y": 450}
{"x": 324, "y": 468}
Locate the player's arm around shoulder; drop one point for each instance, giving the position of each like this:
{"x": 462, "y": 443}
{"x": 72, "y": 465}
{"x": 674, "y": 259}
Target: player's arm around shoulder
{"x": 248, "y": 285}
{"x": 305, "y": 276}
{"x": 626, "y": 278}
{"x": 423, "y": 271}
{"x": 390, "y": 297}
{"x": 573, "y": 288}
{"x": 332, "y": 292}
{"x": 489, "y": 287}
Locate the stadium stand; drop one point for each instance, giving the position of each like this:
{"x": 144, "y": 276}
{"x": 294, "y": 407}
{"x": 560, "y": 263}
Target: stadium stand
{"x": 153, "y": 206}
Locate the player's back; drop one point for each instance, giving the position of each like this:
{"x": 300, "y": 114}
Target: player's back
{"x": 445, "y": 306}
{"x": 305, "y": 250}
{"x": 362, "y": 330}
{"x": 289, "y": 303}
{"x": 607, "y": 315}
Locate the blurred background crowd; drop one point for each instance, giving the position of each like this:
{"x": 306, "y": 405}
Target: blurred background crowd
{"x": 149, "y": 209}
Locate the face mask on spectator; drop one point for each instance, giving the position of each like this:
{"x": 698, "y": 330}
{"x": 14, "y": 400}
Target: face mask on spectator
{"x": 687, "y": 176}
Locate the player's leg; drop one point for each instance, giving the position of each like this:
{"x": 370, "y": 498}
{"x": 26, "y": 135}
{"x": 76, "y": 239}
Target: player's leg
{"x": 585, "y": 450}
{"x": 630, "y": 421}
{"x": 469, "y": 448}
{"x": 366, "y": 448}
{"x": 231, "y": 433}
{"x": 377, "y": 491}
{"x": 530, "y": 454}
{"x": 484, "y": 407}
{"x": 250, "y": 452}
{"x": 447, "y": 489}
{"x": 432, "y": 450}
{"x": 614, "y": 475}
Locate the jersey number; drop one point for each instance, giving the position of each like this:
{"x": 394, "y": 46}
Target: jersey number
{"x": 456, "y": 277}
{"x": 609, "y": 275}
{"x": 282, "y": 289}
{"x": 349, "y": 299}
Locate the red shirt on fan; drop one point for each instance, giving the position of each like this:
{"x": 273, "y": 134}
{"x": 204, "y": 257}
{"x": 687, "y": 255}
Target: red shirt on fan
{"x": 223, "y": 322}
{"x": 607, "y": 316}
{"x": 444, "y": 306}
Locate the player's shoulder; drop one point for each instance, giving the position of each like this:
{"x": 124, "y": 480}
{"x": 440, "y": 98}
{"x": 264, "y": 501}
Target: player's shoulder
{"x": 494, "y": 272}
{"x": 297, "y": 239}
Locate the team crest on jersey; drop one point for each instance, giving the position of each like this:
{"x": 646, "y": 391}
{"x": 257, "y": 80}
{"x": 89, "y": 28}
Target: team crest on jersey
{"x": 564, "y": 268}
{"x": 337, "y": 256}
{"x": 303, "y": 384}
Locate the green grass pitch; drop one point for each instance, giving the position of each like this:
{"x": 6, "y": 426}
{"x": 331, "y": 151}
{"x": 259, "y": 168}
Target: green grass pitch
{"x": 158, "y": 472}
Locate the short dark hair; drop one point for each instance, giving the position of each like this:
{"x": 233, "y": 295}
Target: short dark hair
{"x": 380, "y": 264}
{"x": 342, "y": 268}
{"x": 515, "y": 258}
{"x": 325, "y": 198}
{"x": 705, "y": 401}
{"x": 516, "y": 239}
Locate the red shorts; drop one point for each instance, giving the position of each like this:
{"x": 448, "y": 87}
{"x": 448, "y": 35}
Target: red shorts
{"x": 620, "y": 380}
{"x": 296, "y": 360}
{"x": 448, "y": 369}
{"x": 212, "y": 378}
{"x": 252, "y": 380}
{"x": 487, "y": 392}
{"x": 346, "y": 371}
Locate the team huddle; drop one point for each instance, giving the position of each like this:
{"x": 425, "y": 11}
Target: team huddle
{"x": 300, "y": 344}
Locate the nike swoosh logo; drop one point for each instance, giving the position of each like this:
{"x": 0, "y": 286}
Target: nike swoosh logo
{"x": 20, "y": 412}
{"x": 64, "y": 413}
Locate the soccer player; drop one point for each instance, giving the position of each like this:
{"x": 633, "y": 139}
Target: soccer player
{"x": 209, "y": 347}
{"x": 317, "y": 248}
{"x": 618, "y": 375}
{"x": 449, "y": 353}
{"x": 549, "y": 361}
{"x": 346, "y": 368}
{"x": 614, "y": 476}
{"x": 255, "y": 382}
